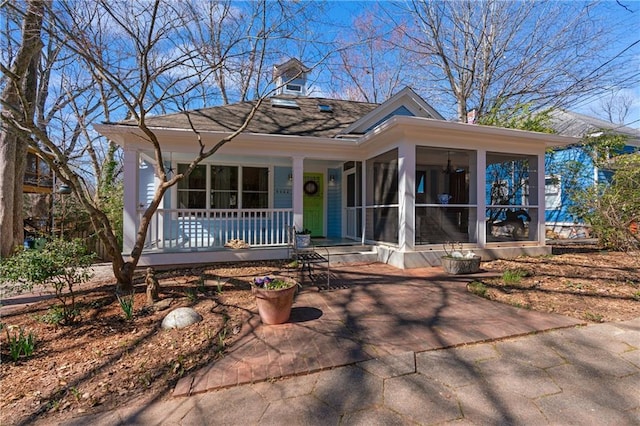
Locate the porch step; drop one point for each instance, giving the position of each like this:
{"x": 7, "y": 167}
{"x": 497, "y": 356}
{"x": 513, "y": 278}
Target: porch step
{"x": 350, "y": 254}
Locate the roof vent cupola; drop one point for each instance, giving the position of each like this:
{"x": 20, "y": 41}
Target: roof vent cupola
{"x": 291, "y": 78}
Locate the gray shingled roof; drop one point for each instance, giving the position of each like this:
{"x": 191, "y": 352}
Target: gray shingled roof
{"x": 308, "y": 120}
{"x": 569, "y": 123}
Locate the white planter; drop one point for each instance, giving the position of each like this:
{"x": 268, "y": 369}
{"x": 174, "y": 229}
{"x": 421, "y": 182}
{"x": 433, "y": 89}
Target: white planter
{"x": 460, "y": 265}
{"x": 303, "y": 240}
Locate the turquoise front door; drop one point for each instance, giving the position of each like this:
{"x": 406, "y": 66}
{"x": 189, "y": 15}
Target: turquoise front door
{"x": 313, "y": 203}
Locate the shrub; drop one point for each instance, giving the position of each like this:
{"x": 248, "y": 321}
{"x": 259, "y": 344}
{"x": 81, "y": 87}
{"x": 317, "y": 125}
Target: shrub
{"x": 59, "y": 265}
{"x": 613, "y": 208}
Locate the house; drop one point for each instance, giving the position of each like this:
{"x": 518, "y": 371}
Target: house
{"x": 37, "y": 187}
{"x": 571, "y": 167}
{"x": 395, "y": 176}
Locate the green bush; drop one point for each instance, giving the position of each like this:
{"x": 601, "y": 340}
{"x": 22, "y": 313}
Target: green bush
{"x": 613, "y": 208}
{"x": 60, "y": 265}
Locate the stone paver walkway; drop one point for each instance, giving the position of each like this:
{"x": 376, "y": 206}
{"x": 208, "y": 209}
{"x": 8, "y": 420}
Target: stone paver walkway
{"x": 375, "y": 311}
{"x": 576, "y": 376}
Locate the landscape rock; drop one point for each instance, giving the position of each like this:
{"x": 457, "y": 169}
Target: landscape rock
{"x": 180, "y": 318}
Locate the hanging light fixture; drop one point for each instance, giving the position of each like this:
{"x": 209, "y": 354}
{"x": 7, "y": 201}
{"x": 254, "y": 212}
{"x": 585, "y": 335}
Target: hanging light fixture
{"x": 449, "y": 169}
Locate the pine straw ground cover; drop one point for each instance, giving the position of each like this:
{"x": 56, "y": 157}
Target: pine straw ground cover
{"x": 105, "y": 361}
{"x": 578, "y": 281}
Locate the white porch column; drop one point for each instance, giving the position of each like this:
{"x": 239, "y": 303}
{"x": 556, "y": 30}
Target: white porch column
{"x": 130, "y": 207}
{"x": 298, "y": 182}
{"x": 363, "y": 201}
{"x": 541, "y": 173}
{"x": 406, "y": 196}
{"x": 481, "y": 194}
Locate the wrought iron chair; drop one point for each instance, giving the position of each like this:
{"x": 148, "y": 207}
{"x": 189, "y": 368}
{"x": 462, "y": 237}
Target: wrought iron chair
{"x": 309, "y": 258}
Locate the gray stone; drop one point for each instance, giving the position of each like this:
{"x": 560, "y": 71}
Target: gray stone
{"x": 286, "y": 388}
{"x": 299, "y": 411}
{"x": 633, "y": 357}
{"x": 571, "y": 409}
{"x": 349, "y": 389}
{"x": 418, "y": 398}
{"x": 373, "y": 417}
{"x": 390, "y": 366}
{"x": 487, "y": 405}
{"x": 447, "y": 368}
{"x": 520, "y": 350}
{"x": 233, "y": 406}
{"x": 180, "y": 318}
{"x": 509, "y": 375}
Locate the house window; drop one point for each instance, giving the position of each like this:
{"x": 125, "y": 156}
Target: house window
{"x": 228, "y": 187}
{"x": 37, "y": 173}
{"x": 224, "y": 187}
{"x": 31, "y": 171}
{"x": 294, "y": 87}
{"x": 255, "y": 187}
{"x": 192, "y": 191}
{"x": 552, "y": 192}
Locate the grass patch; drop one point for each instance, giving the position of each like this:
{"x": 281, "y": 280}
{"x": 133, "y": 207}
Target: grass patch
{"x": 477, "y": 288}
{"x": 513, "y": 276}
{"x": 591, "y": 316}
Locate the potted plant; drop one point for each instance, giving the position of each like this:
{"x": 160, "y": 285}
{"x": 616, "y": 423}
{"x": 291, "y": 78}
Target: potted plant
{"x": 274, "y": 297}
{"x": 455, "y": 262}
{"x": 303, "y": 238}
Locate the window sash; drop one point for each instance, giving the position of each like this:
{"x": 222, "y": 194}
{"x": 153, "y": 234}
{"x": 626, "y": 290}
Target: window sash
{"x": 228, "y": 187}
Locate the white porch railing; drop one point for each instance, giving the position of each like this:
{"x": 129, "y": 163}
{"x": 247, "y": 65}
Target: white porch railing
{"x": 201, "y": 228}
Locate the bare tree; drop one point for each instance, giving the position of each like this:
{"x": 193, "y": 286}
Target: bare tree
{"x": 19, "y": 92}
{"x": 369, "y": 67}
{"x": 137, "y": 56}
{"x": 230, "y": 45}
{"x": 615, "y": 107}
{"x": 479, "y": 53}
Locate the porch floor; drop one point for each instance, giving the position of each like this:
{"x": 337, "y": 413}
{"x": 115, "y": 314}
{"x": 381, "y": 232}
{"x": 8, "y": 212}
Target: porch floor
{"x": 372, "y": 310}
{"x": 334, "y": 242}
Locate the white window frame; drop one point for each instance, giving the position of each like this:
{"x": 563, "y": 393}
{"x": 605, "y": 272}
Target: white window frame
{"x": 552, "y": 193}
{"x": 239, "y": 190}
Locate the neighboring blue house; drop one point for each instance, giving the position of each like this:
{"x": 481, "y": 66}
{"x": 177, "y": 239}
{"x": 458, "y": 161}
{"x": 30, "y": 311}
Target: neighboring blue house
{"x": 572, "y": 166}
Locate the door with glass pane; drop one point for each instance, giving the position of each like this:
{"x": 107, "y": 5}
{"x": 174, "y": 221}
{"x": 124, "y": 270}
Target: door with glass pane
{"x": 354, "y": 201}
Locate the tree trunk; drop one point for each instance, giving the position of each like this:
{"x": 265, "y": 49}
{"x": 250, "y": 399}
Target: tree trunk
{"x": 22, "y": 79}
{"x": 8, "y": 143}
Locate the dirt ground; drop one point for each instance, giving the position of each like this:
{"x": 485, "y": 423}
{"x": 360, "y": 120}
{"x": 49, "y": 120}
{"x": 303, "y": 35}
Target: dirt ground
{"x": 105, "y": 361}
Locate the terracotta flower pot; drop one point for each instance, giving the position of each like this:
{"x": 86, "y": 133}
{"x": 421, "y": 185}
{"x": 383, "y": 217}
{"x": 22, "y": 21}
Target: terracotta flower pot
{"x": 274, "y": 306}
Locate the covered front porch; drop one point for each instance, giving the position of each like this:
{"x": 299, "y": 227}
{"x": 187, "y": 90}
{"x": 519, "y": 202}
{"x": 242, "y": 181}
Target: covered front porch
{"x": 228, "y": 199}
{"x": 404, "y": 192}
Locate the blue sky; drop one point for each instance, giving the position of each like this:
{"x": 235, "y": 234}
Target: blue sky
{"x": 623, "y": 18}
